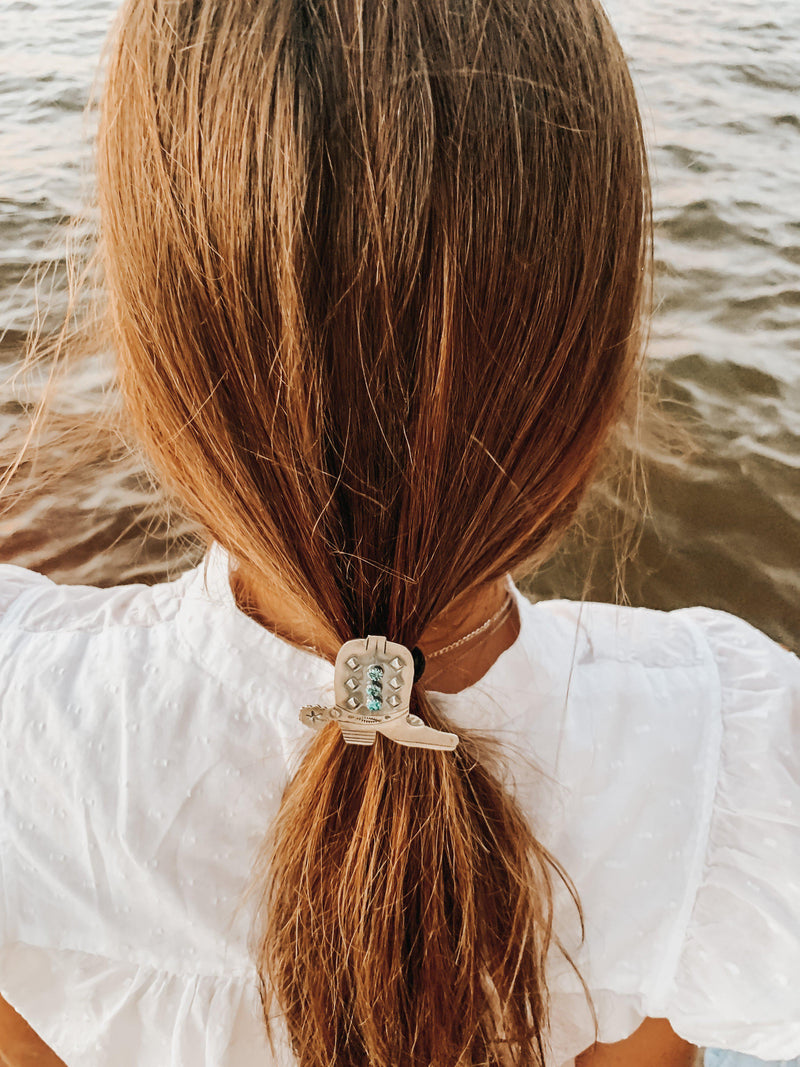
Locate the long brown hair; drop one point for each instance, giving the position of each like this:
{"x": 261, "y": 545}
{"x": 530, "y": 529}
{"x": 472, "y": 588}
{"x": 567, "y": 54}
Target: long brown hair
{"x": 376, "y": 272}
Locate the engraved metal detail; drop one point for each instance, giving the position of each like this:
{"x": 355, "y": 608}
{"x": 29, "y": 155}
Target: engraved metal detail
{"x": 363, "y": 707}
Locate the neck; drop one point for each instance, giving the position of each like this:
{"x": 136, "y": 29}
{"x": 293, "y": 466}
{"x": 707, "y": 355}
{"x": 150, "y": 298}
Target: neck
{"x": 450, "y": 672}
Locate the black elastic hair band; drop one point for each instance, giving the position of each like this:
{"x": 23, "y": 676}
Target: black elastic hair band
{"x": 419, "y": 663}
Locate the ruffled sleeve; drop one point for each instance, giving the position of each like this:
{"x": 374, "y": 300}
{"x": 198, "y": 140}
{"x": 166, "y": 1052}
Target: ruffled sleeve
{"x": 736, "y": 983}
{"x": 94, "y": 1011}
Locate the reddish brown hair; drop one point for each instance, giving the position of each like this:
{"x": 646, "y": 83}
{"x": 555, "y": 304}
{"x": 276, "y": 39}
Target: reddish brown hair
{"x": 376, "y": 273}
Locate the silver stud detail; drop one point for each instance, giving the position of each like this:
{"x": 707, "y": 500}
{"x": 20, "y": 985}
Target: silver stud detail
{"x": 352, "y": 683}
{"x": 335, "y": 713}
{"x": 395, "y": 683}
{"x": 394, "y": 700}
{"x": 397, "y": 663}
{"x": 353, "y": 702}
{"x": 352, "y": 663}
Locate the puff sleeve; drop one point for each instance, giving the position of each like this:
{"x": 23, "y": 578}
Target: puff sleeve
{"x": 737, "y": 976}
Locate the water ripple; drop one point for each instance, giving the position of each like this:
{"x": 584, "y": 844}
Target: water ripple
{"x": 719, "y": 84}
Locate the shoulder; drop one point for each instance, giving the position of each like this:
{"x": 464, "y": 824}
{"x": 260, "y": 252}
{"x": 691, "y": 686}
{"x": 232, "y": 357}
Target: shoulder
{"x": 744, "y": 657}
{"x": 711, "y": 647}
{"x": 32, "y": 603}
{"x": 124, "y": 763}
{"x": 680, "y": 748}
{"x": 638, "y": 690}
{"x": 64, "y": 645}
{"x": 66, "y": 649}
{"x": 135, "y": 721}
{"x": 132, "y": 739}
{"x": 626, "y": 634}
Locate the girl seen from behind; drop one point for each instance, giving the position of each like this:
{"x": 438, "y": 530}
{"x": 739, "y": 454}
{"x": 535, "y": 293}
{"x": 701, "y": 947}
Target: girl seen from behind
{"x": 377, "y": 280}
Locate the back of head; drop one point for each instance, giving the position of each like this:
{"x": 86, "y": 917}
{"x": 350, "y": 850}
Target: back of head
{"x": 375, "y": 273}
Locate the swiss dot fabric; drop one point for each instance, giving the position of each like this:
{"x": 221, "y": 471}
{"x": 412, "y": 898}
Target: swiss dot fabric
{"x": 146, "y": 735}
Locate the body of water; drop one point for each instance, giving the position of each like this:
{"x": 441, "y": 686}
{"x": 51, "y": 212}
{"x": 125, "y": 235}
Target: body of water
{"x": 719, "y": 88}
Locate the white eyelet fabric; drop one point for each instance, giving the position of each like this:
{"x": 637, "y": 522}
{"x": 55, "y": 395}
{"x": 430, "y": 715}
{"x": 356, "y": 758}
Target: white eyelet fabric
{"x": 146, "y": 734}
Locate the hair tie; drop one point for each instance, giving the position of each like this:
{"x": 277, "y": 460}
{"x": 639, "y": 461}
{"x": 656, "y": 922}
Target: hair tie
{"x": 372, "y": 684}
{"x": 419, "y": 663}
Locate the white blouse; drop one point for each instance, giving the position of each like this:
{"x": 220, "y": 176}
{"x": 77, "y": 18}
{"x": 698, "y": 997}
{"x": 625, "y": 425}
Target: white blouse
{"x": 147, "y": 734}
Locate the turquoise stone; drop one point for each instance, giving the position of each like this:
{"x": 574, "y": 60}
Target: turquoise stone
{"x": 375, "y": 672}
{"x": 374, "y": 691}
{"x": 374, "y": 705}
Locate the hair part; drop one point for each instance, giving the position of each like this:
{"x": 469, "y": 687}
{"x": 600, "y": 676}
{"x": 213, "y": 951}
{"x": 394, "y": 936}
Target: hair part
{"x": 376, "y": 278}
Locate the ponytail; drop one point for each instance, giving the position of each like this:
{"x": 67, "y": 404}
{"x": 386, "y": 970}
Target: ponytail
{"x": 407, "y": 909}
